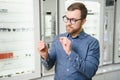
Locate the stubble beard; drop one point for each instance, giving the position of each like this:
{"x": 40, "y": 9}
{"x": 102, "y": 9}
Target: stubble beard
{"x": 70, "y": 30}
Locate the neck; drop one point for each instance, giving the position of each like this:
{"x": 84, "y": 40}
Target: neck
{"x": 76, "y": 34}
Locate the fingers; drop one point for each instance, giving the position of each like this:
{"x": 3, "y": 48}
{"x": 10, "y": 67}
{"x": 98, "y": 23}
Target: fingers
{"x": 63, "y": 40}
{"x": 66, "y": 43}
{"x": 43, "y": 50}
{"x": 41, "y": 45}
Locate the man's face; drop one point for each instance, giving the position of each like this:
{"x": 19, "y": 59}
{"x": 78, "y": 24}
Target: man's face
{"x": 74, "y": 29}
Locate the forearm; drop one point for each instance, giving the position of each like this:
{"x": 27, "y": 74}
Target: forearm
{"x": 49, "y": 62}
{"x": 44, "y": 57}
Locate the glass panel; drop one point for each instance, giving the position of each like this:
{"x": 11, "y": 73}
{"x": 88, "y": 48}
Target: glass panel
{"x": 108, "y": 32}
{"x": 92, "y": 25}
{"x": 117, "y": 33}
{"x": 17, "y": 45}
{"x": 49, "y": 28}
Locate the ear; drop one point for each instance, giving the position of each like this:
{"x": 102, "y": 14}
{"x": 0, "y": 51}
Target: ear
{"x": 83, "y": 21}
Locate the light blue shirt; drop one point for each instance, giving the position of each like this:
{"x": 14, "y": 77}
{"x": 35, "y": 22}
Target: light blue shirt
{"x": 81, "y": 64}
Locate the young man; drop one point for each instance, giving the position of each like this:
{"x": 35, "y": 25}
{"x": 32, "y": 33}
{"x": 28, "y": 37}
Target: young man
{"x": 75, "y": 54}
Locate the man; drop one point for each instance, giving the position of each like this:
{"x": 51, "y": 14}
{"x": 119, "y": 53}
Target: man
{"x": 75, "y": 54}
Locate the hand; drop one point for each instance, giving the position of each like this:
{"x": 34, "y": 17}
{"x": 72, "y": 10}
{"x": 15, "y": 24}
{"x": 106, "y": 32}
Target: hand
{"x": 43, "y": 50}
{"x": 66, "y": 43}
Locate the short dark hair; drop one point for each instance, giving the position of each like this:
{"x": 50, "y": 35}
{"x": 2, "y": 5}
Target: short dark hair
{"x": 79, "y": 6}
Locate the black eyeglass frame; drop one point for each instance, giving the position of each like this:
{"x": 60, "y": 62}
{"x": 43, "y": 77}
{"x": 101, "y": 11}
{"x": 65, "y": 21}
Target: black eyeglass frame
{"x": 70, "y": 19}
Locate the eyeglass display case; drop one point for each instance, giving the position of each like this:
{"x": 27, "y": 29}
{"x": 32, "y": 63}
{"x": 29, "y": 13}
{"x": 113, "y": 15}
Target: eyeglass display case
{"x": 18, "y": 52}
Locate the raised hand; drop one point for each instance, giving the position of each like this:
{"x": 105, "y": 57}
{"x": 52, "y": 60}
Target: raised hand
{"x": 66, "y": 43}
{"x": 43, "y": 50}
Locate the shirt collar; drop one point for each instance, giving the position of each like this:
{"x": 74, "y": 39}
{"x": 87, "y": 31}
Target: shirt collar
{"x": 81, "y": 35}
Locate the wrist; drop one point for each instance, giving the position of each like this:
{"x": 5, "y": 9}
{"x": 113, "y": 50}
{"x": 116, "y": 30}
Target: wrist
{"x": 44, "y": 57}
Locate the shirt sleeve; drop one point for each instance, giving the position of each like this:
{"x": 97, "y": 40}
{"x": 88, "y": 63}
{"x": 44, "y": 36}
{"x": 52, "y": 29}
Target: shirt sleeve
{"x": 89, "y": 65}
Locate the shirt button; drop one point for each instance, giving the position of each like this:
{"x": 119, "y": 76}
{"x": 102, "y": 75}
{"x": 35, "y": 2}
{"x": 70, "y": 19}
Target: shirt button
{"x": 77, "y": 58}
{"x": 74, "y": 65}
{"x": 67, "y": 69}
{"x": 47, "y": 65}
{"x": 69, "y": 59}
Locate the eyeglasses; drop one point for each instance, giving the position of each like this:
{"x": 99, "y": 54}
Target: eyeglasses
{"x": 71, "y": 20}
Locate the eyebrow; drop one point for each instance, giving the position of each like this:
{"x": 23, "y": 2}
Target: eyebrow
{"x": 72, "y": 18}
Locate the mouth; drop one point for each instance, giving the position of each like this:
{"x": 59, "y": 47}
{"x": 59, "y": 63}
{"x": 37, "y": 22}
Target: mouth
{"x": 69, "y": 27}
